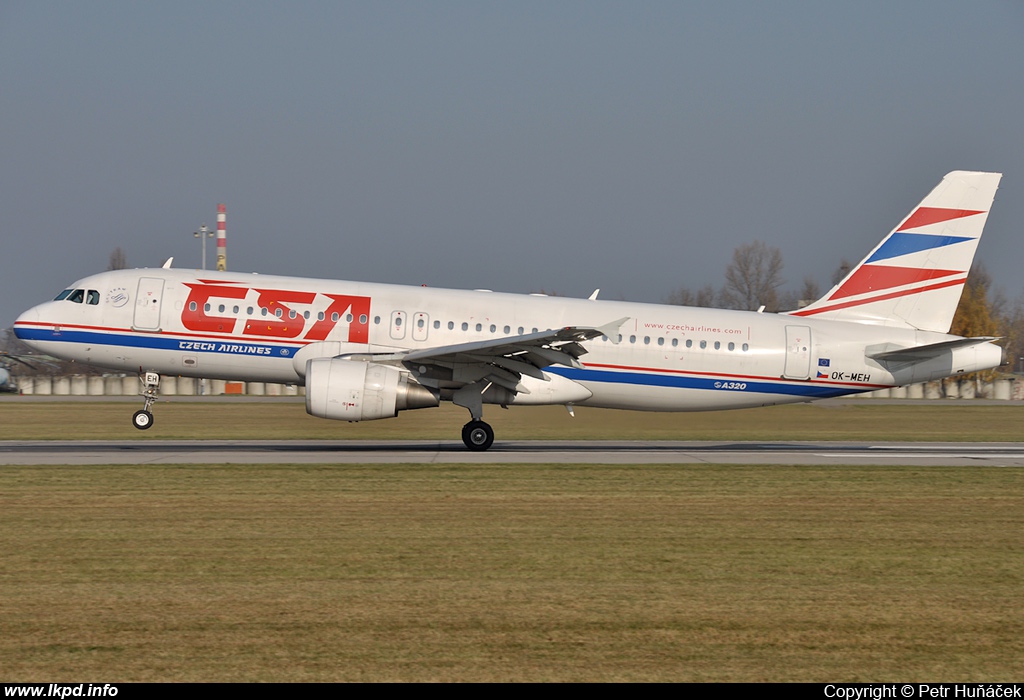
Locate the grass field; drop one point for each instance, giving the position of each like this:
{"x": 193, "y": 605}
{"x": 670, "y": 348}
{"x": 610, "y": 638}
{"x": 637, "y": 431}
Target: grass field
{"x": 511, "y": 572}
{"x": 522, "y": 573}
{"x": 850, "y": 420}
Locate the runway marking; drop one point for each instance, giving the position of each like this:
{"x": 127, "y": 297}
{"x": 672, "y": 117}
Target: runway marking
{"x": 523, "y": 452}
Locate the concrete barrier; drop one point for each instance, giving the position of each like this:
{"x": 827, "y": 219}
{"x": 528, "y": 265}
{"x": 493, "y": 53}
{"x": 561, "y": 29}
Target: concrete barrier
{"x": 968, "y": 389}
{"x": 1002, "y": 389}
{"x": 41, "y": 386}
{"x": 79, "y": 385}
{"x": 168, "y": 385}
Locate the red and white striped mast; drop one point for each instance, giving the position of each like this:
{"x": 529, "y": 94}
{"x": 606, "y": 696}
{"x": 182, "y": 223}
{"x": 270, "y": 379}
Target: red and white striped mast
{"x": 222, "y": 237}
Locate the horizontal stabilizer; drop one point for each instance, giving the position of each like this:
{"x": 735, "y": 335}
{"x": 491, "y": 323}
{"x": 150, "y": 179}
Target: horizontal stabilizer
{"x": 925, "y": 352}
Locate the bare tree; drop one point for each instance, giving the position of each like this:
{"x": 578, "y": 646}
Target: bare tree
{"x": 841, "y": 272}
{"x": 753, "y": 277}
{"x": 118, "y": 260}
{"x": 705, "y": 297}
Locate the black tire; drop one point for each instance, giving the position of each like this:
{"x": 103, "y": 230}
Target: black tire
{"x": 143, "y": 420}
{"x": 477, "y": 435}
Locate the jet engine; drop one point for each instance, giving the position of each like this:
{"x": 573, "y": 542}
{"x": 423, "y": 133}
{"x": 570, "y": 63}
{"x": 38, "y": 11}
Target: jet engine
{"x": 353, "y": 390}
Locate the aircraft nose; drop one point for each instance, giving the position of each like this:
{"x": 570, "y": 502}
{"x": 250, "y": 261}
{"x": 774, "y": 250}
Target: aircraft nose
{"x": 26, "y": 323}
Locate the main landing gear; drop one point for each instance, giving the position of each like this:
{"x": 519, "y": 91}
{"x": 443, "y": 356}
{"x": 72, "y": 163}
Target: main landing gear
{"x": 477, "y": 435}
{"x": 143, "y": 420}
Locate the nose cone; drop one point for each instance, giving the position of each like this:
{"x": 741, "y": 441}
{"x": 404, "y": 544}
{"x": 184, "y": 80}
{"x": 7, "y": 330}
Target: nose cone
{"x": 29, "y": 325}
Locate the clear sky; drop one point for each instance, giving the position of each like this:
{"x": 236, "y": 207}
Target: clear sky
{"x": 518, "y": 146}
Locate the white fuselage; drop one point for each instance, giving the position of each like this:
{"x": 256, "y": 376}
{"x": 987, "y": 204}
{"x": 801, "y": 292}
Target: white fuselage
{"x": 250, "y": 327}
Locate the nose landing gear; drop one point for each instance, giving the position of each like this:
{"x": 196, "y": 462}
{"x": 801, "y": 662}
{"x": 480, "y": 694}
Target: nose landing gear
{"x": 143, "y": 420}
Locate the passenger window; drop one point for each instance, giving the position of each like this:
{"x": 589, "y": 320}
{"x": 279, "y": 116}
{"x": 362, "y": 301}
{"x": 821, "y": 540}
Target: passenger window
{"x": 362, "y": 319}
{"x": 661, "y": 341}
{"x": 479, "y": 327}
{"x": 703, "y": 344}
{"x": 465, "y": 326}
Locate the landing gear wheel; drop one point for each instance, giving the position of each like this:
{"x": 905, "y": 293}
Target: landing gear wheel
{"x": 477, "y": 435}
{"x": 142, "y": 420}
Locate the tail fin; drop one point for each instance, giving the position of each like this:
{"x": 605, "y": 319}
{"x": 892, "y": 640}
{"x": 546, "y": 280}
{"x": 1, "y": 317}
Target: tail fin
{"x": 915, "y": 276}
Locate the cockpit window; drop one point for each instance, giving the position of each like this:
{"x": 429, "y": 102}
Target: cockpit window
{"x": 77, "y": 296}
{"x": 92, "y": 297}
{"x": 63, "y": 295}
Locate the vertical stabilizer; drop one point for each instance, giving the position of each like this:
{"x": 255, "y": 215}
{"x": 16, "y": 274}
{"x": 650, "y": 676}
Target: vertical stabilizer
{"x": 915, "y": 276}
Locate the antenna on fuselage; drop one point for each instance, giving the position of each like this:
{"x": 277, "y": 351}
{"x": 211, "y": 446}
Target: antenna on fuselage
{"x": 167, "y": 265}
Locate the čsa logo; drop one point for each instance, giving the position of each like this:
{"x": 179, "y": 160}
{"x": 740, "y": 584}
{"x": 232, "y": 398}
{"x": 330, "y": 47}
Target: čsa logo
{"x": 279, "y": 313}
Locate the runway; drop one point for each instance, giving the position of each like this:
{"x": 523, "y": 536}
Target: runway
{"x": 823, "y": 453}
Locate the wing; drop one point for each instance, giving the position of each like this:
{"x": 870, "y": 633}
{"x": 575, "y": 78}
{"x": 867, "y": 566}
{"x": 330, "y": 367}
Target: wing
{"x": 501, "y": 361}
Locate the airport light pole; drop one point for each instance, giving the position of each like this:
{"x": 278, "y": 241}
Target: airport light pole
{"x": 202, "y": 234}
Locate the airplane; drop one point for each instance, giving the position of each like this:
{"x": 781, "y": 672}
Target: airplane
{"x": 367, "y": 351}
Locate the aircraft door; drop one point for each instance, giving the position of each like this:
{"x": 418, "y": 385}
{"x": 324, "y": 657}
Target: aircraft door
{"x": 798, "y": 352}
{"x": 397, "y": 325}
{"x": 147, "y": 304}
{"x": 420, "y": 325}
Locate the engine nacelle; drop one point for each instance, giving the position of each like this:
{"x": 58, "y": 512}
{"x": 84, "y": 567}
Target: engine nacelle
{"x": 352, "y": 390}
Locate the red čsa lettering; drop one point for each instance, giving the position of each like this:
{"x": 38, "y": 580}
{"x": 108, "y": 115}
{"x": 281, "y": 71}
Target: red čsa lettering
{"x": 358, "y": 329}
{"x": 279, "y": 325}
{"x": 195, "y": 317}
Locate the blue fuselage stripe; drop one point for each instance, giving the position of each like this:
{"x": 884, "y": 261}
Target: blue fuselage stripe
{"x": 679, "y": 381}
{"x": 676, "y": 381}
{"x": 155, "y": 342}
